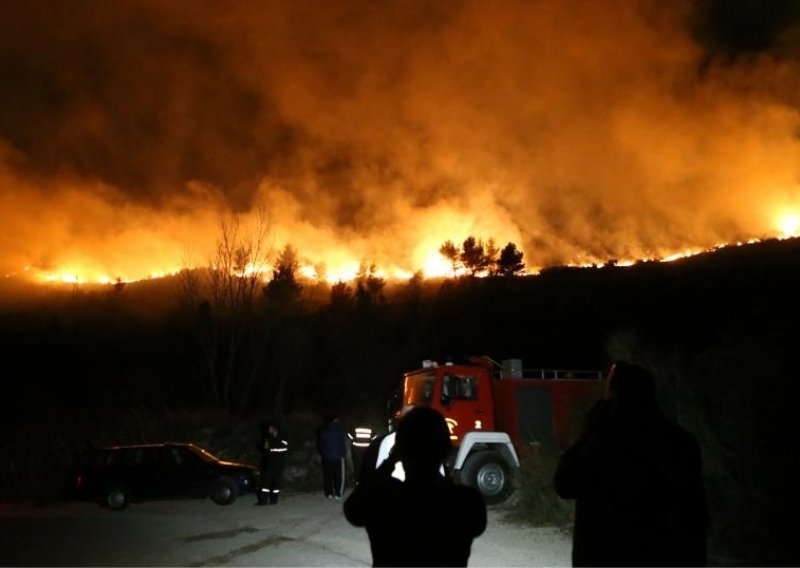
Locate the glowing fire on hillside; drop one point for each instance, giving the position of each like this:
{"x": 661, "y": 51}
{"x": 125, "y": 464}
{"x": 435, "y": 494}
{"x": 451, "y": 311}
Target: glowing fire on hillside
{"x": 340, "y": 266}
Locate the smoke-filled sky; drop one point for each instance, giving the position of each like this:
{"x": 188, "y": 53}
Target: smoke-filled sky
{"x": 373, "y": 131}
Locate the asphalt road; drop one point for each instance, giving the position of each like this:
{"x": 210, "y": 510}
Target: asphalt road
{"x": 305, "y": 529}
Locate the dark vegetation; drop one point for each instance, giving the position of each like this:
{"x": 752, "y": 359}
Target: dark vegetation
{"x": 89, "y": 366}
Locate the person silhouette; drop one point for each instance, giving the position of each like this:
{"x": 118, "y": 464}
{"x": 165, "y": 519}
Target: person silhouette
{"x": 273, "y": 447}
{"x": 637, "y": 480}
{"x": 425, "y": 520}
{"x": 332, "y": 446}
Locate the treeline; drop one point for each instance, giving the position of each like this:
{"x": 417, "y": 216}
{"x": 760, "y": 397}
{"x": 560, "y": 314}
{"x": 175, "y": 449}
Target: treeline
{"x": 478, "y": 257}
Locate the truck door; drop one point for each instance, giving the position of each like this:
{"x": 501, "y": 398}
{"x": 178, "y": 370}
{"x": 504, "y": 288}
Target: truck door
{"x": 464, "y": 405}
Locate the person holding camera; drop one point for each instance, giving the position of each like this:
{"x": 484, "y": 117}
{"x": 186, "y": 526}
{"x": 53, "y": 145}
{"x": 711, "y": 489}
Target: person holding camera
{"x": 425, "y": 520}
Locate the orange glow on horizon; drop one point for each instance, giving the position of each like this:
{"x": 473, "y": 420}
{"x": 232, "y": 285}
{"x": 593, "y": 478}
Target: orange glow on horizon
{"x": 343, "y": 266}
{"x": 789, "y": 224}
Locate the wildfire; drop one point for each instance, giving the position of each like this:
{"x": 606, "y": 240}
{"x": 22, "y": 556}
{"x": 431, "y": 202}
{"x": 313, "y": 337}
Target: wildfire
{"x": 343, "y": 267}
{"x": 595, "y": 142}
{"x": 77, "y": 276}
{"x": 789, "y": 225}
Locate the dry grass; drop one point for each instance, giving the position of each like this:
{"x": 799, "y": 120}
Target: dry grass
{"x": 536, "y": 501}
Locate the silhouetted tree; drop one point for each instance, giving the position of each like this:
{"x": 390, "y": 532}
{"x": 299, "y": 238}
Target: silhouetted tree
{"x": 229, "y": 328}
{"x": 412, "y": 291}
{"x": 473, "y": 255}
{"x": 284, "y": 287}
{"x": 341, "y": 295}
{"x": 452, "y": 253}
{"x": 510, "y": 261}
{"x": 115, "y": 294}
{"x": 369, "y": 286}
{"x": 119, "y": 286}
{"x": 285, "y": 327}
{"x": 490, "y": 257}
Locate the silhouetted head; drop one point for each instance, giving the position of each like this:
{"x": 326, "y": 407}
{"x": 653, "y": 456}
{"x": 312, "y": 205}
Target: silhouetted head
{"x": 631, "y": 385}
{"x": 423, "y": 439}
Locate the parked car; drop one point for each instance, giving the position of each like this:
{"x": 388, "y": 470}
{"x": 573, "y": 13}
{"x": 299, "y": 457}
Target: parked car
{"x": 117, "y": 475}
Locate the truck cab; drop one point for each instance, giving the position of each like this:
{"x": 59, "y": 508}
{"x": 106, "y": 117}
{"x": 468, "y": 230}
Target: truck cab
{"x": 462, "y": 393}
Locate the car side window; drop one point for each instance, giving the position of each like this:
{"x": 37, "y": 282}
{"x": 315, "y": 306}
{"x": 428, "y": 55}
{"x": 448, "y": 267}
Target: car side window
{"x": 128, "y": 457}
{"x": 135, "y": 457}
{"x": 105, "y": 458}
{"x": 148, "y": 456}
{"x": 180, "y": 457}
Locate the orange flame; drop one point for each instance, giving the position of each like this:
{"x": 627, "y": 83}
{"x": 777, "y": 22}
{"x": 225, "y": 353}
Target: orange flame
{"x": 341, "y": 264}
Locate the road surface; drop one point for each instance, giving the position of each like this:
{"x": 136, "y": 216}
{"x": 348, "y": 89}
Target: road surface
{"x": 305, "y": 529}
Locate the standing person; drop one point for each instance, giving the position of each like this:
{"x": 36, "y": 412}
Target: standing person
{"x": 360, "y": 438}
{"x": 273, "y": 458}
{"x": 425, "y": 520}
{"x": 637, "y": 480}
{"x": 332, "y": 446}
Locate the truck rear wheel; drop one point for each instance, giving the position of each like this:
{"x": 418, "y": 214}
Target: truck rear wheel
{"x": 489, "y": 474}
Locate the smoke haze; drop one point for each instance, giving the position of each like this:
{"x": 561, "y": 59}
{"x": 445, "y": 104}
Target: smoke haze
{"x": 374, "y": 131}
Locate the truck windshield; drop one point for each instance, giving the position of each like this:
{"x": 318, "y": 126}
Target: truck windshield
{"x": 419, "y": 389}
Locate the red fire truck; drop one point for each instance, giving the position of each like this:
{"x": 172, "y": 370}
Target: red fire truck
{"x": 495, "y": 410}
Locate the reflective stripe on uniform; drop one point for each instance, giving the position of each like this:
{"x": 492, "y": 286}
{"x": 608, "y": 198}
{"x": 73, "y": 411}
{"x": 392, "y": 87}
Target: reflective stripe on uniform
{"x": 341, "y": 486}
{"x": 362, "y": 438}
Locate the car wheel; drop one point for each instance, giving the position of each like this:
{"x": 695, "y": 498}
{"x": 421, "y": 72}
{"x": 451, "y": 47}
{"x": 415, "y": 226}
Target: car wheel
{"x": 224, "y": 491}
{"x": 488, "y": 473}
{"x": 116, "y": 497}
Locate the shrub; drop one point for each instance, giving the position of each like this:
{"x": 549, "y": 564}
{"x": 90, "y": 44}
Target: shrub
{"x": 536, "y": 502}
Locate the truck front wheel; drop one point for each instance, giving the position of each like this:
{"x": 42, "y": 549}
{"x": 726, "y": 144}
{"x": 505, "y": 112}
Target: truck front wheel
{"x": 488, "y": 473}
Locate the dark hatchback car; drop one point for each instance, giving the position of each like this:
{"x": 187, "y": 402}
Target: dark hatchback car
{"x": 118, "y": 475}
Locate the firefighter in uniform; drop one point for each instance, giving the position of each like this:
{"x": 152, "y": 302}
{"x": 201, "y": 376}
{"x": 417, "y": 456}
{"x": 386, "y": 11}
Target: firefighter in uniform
{"x": 360, "y": 439}
{"x": 273, "y": 459}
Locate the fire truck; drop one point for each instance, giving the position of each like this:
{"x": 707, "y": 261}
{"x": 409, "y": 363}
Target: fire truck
{"x": 494, "y": 411}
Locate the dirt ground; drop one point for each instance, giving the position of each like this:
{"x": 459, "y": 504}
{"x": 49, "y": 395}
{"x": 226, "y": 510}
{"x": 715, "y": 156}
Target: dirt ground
{"x": 305, "y": 529}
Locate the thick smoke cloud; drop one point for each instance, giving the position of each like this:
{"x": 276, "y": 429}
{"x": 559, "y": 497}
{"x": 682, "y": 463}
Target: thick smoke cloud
{"x": 582, "y": 131}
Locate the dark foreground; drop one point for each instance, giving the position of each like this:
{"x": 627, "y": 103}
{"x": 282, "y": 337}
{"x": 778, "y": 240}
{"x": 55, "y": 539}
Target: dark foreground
{"x": 303, "y": 530}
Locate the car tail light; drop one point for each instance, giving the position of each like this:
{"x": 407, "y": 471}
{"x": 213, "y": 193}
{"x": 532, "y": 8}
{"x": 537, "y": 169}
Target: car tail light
{"x": 79, "y": 481}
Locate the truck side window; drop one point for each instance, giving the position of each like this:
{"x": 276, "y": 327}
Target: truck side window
{"x": 458, "y": 387}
